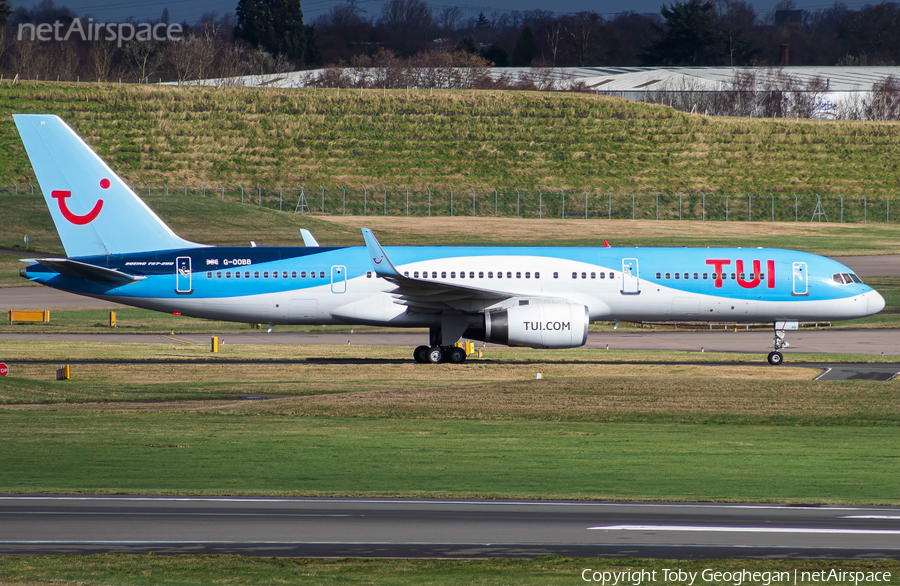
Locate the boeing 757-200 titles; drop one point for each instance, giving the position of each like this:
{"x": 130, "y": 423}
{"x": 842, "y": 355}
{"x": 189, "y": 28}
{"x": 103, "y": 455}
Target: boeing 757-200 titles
{"x": 540, "y": 297}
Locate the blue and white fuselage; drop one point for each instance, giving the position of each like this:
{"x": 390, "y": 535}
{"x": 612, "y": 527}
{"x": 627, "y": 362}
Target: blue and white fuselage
{"x": 545, "y": 297}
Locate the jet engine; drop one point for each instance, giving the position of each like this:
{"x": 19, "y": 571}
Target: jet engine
{"x": 541, "y": 325}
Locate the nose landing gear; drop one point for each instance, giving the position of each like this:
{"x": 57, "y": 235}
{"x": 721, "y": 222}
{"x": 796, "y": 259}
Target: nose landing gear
{"x": 775, "y": 357}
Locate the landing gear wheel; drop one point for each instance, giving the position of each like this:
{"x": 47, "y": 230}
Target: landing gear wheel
{"x": 420, "y": 354}
{"x": 775, "y": 358}
{"x": 457, "y": 355}
{"x": 436, "y": 355}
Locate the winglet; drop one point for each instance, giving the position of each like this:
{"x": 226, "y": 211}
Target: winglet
{"x": 380, "y": 262}
{"x": 606, "y": 244}
{"x": 308, "y": 238}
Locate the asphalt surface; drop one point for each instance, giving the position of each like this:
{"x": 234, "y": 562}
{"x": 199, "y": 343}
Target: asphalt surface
{"x": 442, "y": 528}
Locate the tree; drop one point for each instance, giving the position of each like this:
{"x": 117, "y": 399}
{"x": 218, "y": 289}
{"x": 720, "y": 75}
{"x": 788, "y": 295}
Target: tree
{"x": 496, "y": 55}
{"x": 482, "y": 21}
{"x": 692, "y": 36}
{"x": 525, "y": 48}
{"x": 584, "y": 30}
{"x": 5, "y": 11}
{"x": 275, "y": 26}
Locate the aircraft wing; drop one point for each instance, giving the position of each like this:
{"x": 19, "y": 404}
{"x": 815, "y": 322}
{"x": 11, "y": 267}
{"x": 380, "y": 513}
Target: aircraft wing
{"x": 82, "y": 270}
{"x": 424, "y": 295}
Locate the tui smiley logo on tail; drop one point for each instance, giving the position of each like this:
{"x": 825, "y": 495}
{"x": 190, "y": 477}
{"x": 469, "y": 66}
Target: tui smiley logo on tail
{"x": 62, "y": 195}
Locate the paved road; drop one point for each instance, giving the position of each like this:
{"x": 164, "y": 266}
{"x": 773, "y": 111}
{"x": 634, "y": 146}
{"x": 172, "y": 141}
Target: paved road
{"x": 442, "y": 528}
{"x": 873, "y": 266}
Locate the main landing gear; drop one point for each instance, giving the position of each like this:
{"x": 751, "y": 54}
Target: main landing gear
{"x": 438, "y": 354}
{"x": 775, "y": 357}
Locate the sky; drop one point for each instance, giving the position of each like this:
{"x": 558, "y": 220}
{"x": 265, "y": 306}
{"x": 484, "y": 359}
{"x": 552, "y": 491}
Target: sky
{"x": 192, "y": 10}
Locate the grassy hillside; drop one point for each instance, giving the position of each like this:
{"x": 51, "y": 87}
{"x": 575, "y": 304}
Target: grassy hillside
{"x": 451, "y": 139}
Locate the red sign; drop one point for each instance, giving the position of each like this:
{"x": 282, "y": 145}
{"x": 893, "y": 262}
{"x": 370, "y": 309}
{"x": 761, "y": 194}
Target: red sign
{"x": 4, "y": 370}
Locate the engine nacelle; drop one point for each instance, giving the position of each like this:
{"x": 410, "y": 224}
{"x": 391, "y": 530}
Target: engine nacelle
{"x": 541, "y": 325}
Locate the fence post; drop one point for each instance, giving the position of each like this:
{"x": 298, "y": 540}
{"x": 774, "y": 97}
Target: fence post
{"x": 656, "y": 193}
{"x": 167, "y": 188}
{"x": 795, "y": 207}
{"x": 726, "y": 206}
{"x": 632, "y": 204}
{"x": 585, "y": 204}
{"x": 384, "y": 213}
{"x": 17, "y": 187}
{"x": 518, "y": 201}
{"x": 242, "y": 194}
{"x": 451, "y": 203}
{"x": 540, "y": 204}
{"x": 204, "y": 189}
{"x": 474, "y": 195}
{"x": 280, "y": 199}
{"x": 495, "y": 202}
{"x": 842, "y": 208}
{"x": 865, "y": 210}
{"x": 300, "y": 200}
{"x": 407, "y": 202}
{"x": 680, "y": 195}
{"x": 365, "y": 201}
{"x": 429, "y": 198}
{"x": 343, "y": 200}
{"x": 32, "y": 187}
{"x": 702, "y": 207}
{"x": 148, "y": 188}
{"x": 609, "y": 203}
{"x": 887, "y": 213}
{"x": 222, "y": 185}
{"x": 749, "y": 207}
{"x": 563, "y": 213}
{"x": 772, "y": 195}
{"x": 258, "y": 195}
{"x": 185, "y": 189}
{"x": 323, "y": 199}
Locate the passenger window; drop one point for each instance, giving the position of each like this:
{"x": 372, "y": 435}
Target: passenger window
{"x": 584, "y": 275}
{"x": 302, "y": 274}
{"x": 368, "y": 274}
{"x": 265, "y": 274}
{"x": 659, "y": 275}
{"x": 555, "y": 275}
{"x": 434, "y": 274}
{"x": 593, "y": 275}
{"x": 574, "y": 275}
{"x": 527, "y": 275}
{"x": 218, "y": 274}
{"x": 696, "y": 276}
{"x": 732, "y": 276}
{"x": 283, "y": 274}
{"x": 274, "y": 274}
{"x": 237, "y": 274}
{"x": 321, "y": 274}
{"x": 443, "y": 274}
{"x": 471, "y": 274}
{"x": 209, "y": 275}
{"x": 452, "y": 274}
{"x": 705, "y": 275}
{"x": 537, "y": 275}
{"x": 668, "y": 275}
{"x": 742, "y": 277}
{"x": 603, "y": 276}
{"x": 687, "y": 276}
{"x": 406, "y": 274}
{"x": 462, "y": 274}
{"x": 612, "y": 275}
{"x": 415, "y": 274}
{"x": 677, "y": 275}
{"x": 490, "y": 274}
{"x": 294, "y": 274}
{"x": 246, "y": 274}
{"x": 762, "y": 276}
{"x": 227, "y": 274}
{"x": 480, "y": 274}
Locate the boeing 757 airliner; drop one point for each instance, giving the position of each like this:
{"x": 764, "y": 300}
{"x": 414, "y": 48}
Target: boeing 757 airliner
{"x": 540, "y": 297}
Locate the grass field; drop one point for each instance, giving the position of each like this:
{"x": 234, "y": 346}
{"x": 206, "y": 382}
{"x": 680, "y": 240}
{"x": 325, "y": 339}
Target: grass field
{"x": 210, "y": 570}
{"x": 459, "y": 139}
{"x": 711, "y": 431}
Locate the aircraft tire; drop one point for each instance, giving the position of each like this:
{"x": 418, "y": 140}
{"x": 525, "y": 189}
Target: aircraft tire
{"x": 436, "y": 355}
{"x": 775, "y": 358}
{"x": 457, "y": 355}
{"x": 420, "y": 354}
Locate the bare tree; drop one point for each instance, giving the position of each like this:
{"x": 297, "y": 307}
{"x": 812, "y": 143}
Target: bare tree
{"x": 450, "y": 18}
{"x": 583, "y": 31}
{"x": 553, "y": 36}
{"x": 143, "y": 58}
{"x": 101, "y": 59}
{"x": 884, "y": 103}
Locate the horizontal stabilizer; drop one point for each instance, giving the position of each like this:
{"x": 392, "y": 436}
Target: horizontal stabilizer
{"x": 73, "y": 268}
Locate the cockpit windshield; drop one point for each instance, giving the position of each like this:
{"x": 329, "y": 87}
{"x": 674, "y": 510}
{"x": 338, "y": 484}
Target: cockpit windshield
{"x": 846, "y": 278}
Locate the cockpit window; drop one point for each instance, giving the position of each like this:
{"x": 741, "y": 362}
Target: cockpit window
{"x": 846, "y": 278}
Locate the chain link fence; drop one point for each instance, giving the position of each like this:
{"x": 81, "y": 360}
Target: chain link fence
{"x": 523, "y": 203}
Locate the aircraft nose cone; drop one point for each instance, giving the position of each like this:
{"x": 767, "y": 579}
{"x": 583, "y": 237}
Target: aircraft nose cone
{"x": 876, "y": 302}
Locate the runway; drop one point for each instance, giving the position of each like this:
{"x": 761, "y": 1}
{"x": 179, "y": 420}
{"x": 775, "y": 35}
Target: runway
{"x": 338, "y": 527}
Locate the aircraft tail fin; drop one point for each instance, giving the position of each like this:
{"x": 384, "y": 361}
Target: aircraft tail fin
{"x": 95, "y": 212}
